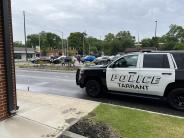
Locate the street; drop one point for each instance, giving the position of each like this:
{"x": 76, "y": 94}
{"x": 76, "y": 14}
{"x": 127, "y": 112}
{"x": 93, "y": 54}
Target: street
{"x": 64, "y": 84}
{"x": 48, "y": 82}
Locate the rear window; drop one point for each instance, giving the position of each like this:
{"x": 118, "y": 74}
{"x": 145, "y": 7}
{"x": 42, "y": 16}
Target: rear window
{"x": 179, "y": 58}
{"x": 156, "y": 61}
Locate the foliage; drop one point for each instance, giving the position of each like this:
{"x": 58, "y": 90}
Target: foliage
{"x": 109, "y": 37}
{"x": 111, "y": 45}
{"x": 118, "y": 43}
{"x": 94, "y": 45}
{"x": 76, "y": 40}
{"x": 48, "y": 41}
{"x": 18, "y": 44}
{"x": 172, "y": 40}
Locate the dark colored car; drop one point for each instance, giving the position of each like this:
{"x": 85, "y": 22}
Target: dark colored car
{"x": 62, "y": 60}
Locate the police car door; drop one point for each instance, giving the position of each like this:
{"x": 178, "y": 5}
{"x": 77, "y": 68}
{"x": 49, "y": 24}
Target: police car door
{"x": 156, "y": 72}
{"x": 121, "y": 74}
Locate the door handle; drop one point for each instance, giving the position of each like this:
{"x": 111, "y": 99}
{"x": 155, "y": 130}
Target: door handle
{"x": 166, "y": 73}
{"x": 132, "y": 72}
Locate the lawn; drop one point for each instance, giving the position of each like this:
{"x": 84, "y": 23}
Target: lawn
{"x": 131, "y": 123}
{"x": 51, "y": 67}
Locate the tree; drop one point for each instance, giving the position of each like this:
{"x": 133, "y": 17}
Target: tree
{"x": 32, "y": 40}
{"x": 53, "y": 41}
{"x": 75, "y": 40}
{"x": 169, "y": 42}
{"x": 95, "y": 45}
{"x": 176, "y": 32}
{"x": 179, "y": 46}
{"x": 155, "y": 42}
{"x": 18, "y": 44}
{"x": 48, "y": 41}
{"x": 146, "y": 42}
{"x": 174, "y": 39}
{"x": 125, "y": 35}
{"x": 118, "y": 43}
{"x": 109, "y": 37}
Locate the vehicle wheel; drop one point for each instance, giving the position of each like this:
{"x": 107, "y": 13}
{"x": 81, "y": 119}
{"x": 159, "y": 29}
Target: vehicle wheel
{"x": 93, "y": 88}
{"x": 176, "y": 98}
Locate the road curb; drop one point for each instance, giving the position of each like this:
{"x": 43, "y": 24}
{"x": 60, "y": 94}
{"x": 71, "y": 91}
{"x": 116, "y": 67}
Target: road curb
{"x": 142, "y": 110}
{"x": 68, "y": 134}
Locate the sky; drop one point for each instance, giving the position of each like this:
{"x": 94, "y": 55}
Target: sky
{"x": 96, "y": 17}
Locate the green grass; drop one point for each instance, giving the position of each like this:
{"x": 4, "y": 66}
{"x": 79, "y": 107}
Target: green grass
{"x": 47, "y": 66}
{"x": 138, "y": 124}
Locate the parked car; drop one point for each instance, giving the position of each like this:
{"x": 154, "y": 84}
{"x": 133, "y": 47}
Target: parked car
{"x": 52, "y": 58}
{"x": 104, "y": 60}
{"x": 64, "y": 60}
{"x": 89, "y": 58}
{"x": 35, "y": 60}
{"x": 38, "y": 60}
{"x": 157, "y": 75}
{"x": 82, "y": 59}
{"x": 58, "y": 60}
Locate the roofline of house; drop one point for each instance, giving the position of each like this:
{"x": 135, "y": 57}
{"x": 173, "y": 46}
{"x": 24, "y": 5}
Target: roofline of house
{"x": 22, "y": 52}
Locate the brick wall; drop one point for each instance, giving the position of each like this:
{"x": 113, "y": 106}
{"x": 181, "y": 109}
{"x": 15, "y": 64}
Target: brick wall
{"x": 4, "y": 113}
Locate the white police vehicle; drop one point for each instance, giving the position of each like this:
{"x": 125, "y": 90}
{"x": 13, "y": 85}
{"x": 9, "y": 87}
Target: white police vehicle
{"x": 148, "y": 74}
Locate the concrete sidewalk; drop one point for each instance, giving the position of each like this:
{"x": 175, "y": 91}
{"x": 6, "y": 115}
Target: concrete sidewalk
{"x": 43, "y": 115}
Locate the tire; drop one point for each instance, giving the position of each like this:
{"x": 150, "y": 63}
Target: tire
{"x": 93, "y": 88}
{"x": 176, "y": 99}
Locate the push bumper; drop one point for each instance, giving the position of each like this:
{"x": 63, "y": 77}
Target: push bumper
{"x": 79, "y": 79}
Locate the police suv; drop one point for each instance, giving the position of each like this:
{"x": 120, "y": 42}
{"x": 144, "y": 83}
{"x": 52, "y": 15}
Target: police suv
{"x": 145, "y": 74}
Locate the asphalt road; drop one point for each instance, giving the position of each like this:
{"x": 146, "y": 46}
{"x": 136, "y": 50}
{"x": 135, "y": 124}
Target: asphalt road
{"x": 64, "y": 84}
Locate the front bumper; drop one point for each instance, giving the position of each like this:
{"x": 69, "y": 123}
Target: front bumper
{"x": 79, "y": 79}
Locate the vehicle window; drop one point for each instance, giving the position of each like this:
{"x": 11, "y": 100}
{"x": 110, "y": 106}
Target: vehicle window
{"x": 156, "y": 61}
{"x": 126, "y": 62}
{"x": 179, "y": 58}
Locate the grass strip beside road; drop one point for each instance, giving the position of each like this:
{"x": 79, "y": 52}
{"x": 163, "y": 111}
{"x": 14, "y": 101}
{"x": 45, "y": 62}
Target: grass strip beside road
{"x": 131, "y": 123}
{"x": 48, "y": 67}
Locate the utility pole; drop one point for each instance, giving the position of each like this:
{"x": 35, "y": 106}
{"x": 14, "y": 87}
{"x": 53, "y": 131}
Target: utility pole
{"x": 67, "y": 46}
{"x": 155, "y": 29}
{"x": 25, "y": 35}
{"x": 102, "y": 46}
{"x": 137, "y": 46}
{"x": 83, "y": 44}
{"x": 39, "y": 40}
{"x": 39, "y": 44}
{"x": 89, "y": 49}
{"x": 62, "y": 45}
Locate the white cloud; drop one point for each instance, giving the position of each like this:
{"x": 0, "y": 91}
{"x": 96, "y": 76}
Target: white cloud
{"x": 97, "y": 17}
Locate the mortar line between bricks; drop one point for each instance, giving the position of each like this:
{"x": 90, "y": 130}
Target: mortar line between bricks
{"x": 40, "y": 123}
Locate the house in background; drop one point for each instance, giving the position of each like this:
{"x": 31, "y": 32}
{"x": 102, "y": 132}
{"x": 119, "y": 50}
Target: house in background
{"x": 20, "y": 53}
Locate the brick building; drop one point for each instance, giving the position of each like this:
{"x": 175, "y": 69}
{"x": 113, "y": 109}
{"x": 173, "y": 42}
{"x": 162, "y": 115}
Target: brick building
{"x": 8, "y": 103}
